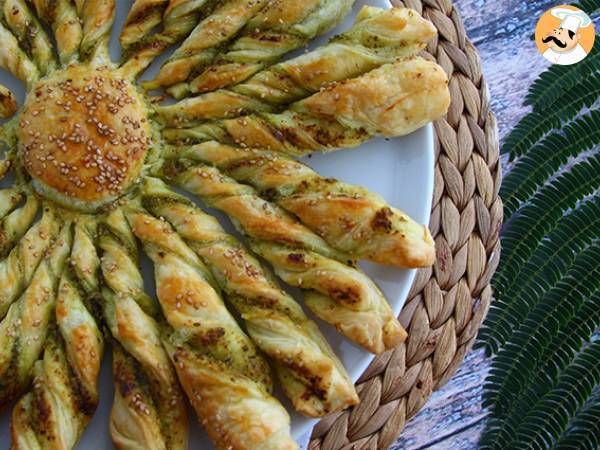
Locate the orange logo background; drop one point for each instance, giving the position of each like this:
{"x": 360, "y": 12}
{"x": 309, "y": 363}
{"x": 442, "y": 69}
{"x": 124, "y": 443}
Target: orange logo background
{"x": 548, "y": 22}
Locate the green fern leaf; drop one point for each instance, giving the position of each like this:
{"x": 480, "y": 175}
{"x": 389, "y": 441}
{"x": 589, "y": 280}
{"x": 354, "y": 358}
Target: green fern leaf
{"x": 535, "y": 219}
{"x": 557, "y": 355}
{"x": 536, "y": 124}
{"x": 544, "y": 92}
{"x": 548, "y": 262}
{"x": 584, "y": 428}
{"x": 533, "y": 170}
{"x": 515, "y": 363}
{"x": 549, "y": 417}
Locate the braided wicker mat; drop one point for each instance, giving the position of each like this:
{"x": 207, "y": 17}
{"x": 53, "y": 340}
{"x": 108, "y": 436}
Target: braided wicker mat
{"x": 448, "y": 303}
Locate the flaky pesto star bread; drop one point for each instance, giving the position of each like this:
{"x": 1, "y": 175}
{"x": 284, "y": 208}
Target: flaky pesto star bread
{"x": 8, "y": 103}
{"x": 393, "y": 100}
{"x": 335, "y": 291}
{"x": 378, "y": 36}
{"x": 61, "y": 16}
{"x": 148, "y": 409}
{"x": 350, "y": 218}
{"x": 29, "y": 32}
{"x": 310, "y": 373}
{"x": 24, "y": 329}
{"x": 283, "y": 26}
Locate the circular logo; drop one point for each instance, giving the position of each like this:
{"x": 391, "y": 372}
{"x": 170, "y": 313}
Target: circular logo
{"x": 565, "y": 35}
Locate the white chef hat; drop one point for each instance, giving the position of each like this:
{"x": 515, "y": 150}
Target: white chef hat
{"x": 572, "y": 20}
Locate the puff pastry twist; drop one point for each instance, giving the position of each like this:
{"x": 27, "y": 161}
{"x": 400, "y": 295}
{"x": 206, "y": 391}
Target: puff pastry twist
{"x": 283, "y": 26}
{"x": 24, "y": 329}
{"x": 61, "y": 16}
{"x": 15, "y": 60}
{"x": 225, "y": 377}
{"x": 148, "y": 409}
{"x": 29, "y": 32}
{"x": 334, "y": 289}
{"x": 97, "y": 17}
{"x": 378, "y": 36}
{"x": 8, "y": 103}
{"x": 310, "y": 373}
{"x": 393, "y": 100}
{"x": 54, "y": 414}
{"x": 350, "y": 218}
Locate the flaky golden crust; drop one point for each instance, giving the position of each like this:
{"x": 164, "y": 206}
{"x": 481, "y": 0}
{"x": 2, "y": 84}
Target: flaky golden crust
{"x": 393, "y": 100}
{"x": 143, "y": 16}
{"x": 8, "y": 103}
{"x": 310, "y": 373}
{"x": 148, "y": 410}
{"x": 62, "y": 17}
{"x": 378, "y": 37}
{"x": 99, "y": 139}
{"x": 350, "y": 218}
{"x": 98, "y": 17}
{"x": 13, "y": 59}
{"x": 306, "y": 261}
{"x": 235, "y": 412}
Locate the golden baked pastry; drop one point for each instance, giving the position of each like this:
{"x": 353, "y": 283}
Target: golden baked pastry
{"x": 349, "y": 218}
{"x": 84, "y": 163}
{"x": 309, "y": 372}
{"x": 256, "y": 32}
{"x": 377, "y": 37}
{"x": 336, "y": 291}
{"x": 393, "y": 100}
{"x": 8, "y": 103}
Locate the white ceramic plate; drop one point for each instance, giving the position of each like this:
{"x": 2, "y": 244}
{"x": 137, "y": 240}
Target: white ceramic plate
{"x": 399, "y": 169}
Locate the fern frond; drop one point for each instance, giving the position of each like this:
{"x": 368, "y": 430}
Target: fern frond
{"x": 558, "y": 79}
{"x": 535, "y": 219}
{"x": 515, "y": 364}
{"x": 549, "y": 417}
{"x": 537, "y": 124}
{"x": 557, "y": 355}
{"x": 547, "y": 264}
{"x": 533, "y": 170}
{"x": 584, "y": 428}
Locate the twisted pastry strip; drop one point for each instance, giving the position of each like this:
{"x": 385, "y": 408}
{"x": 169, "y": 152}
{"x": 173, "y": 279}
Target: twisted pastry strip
{"x": 190, "y": 303}
{"x": 378, "y": 36}
{"x": 16, "y": 224}
{"x": 336, "y": 292}
{"x": 24, "y": 329}
{"x": 18, "y": 268}
{"x": 61, "y": 16}
{"x": 227, "y": 380}
{"x": 15, "y": 60}
{"x": 143, "y": 16}
{"x": 310, "y": 373}
{"x": 9, "y": 199}
{"x": 98, "y": 17}
{"x": 179, "y": 19}
{"x": 30, "y": 34}
{"x": 283, "y": 26}
{"x": 65, "y": 395}
{"x": 236, "y": 412}
{"x": 202, "y": 44}
{"x": 148, "y": 409}
{"x": 393, "y": 100}
{"x": 8, "y": 103}
{"x": 349, "y": 218}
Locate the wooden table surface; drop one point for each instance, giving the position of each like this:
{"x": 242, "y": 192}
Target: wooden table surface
{"x": 502, "y": 31}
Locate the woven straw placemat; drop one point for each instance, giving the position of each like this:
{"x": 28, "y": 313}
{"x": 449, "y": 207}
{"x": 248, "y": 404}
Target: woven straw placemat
{"x": 448, "y": 303}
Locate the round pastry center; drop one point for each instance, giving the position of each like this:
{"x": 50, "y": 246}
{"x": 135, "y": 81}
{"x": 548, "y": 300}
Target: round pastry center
{"x": 83, "y": 137}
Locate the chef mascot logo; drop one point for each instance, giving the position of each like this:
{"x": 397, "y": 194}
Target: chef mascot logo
{"x": 565, "y": 35}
